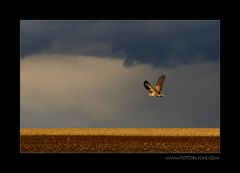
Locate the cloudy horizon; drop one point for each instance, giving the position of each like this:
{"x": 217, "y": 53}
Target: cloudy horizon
{"x": 91, "y": 73}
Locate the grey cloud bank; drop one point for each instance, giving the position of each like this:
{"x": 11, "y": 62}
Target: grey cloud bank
{"x": 78, "y": 91}
{"x": 158, "y": 43}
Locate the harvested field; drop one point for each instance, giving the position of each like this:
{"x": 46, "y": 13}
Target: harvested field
{"x": 160, "y": 140}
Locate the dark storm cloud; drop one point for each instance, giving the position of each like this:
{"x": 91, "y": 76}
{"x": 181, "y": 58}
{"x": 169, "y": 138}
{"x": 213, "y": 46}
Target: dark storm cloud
{"x": 159, "y": 43}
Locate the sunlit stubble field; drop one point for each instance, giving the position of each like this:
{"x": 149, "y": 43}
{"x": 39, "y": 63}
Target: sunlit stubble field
{"x": 160, "y": 140}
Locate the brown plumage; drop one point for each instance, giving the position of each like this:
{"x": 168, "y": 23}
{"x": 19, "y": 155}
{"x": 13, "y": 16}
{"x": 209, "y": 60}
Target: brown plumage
{"x": 155, "y": 91}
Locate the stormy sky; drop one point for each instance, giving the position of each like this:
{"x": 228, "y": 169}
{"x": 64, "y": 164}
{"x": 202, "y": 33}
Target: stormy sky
{"x": 79, "y": 73}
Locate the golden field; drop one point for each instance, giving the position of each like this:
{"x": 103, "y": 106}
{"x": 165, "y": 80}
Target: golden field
{"x": 123, "y": 131}
{"x": 160, "y": 140}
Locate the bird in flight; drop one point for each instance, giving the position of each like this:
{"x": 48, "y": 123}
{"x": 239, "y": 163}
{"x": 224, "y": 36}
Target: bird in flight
{"x": 155, "y": 91}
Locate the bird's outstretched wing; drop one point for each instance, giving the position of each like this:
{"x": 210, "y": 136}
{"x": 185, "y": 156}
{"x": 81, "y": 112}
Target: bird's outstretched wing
{"x": 149, "y": 87}
{"x": 160, "y": 83}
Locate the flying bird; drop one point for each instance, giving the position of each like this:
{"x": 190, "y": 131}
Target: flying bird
{"x": 155, "y": 91}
